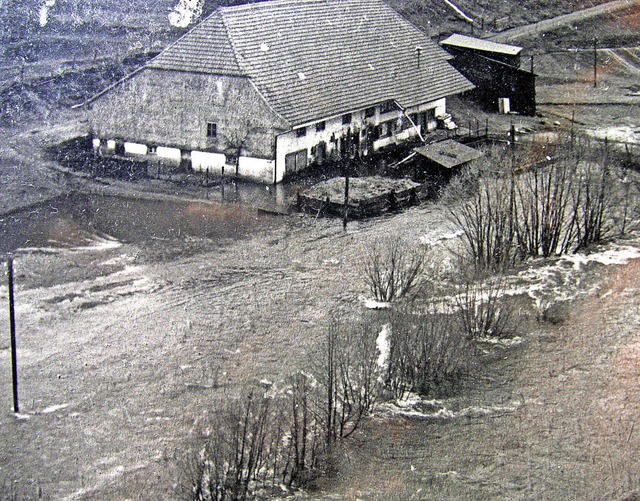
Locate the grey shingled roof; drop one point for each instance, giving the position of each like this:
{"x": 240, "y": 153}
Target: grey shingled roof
{"x": 205, "y": 49}
{"x": 448, "y": 153}
{"x": 467, "y": 42}
{"x": 312, "y": 59}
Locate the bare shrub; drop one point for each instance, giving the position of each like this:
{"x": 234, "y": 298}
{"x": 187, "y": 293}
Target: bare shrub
{"x": 625, "y": 196}
{"x": 482, "y": 310}
{"x": 593, "y": 204}
{"x": 392, "y": 268}
{"x": 487, "y": 223}
{"x": 237, "y": 452}
{"x": 305, "y": 444}
{"x": 428, "y": 355}
{"x": 545, "y": 224}
{"x": 348, "y": 375}
{"x": 563, "y": 206}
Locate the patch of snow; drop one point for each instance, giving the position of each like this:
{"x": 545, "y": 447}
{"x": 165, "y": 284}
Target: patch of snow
{"x": 383, "y": 344}
{"x": 436, "y": 236}
{"x": 22, "y": 416}
{"x": 458, "y": 11}
{"x": 98, "y": 243}
{"x": 185, "y": 13}
{"x": 54, "y": 408}
{"x": 124, "y": 258}
{"x": 412, "y": 409}
{"x": 372, "y": 304}
{"x": 617, "y": 255}
{"x": 514, "y": 341}
{"x": 624, "y": 134}
{"x": 43, "y": 14}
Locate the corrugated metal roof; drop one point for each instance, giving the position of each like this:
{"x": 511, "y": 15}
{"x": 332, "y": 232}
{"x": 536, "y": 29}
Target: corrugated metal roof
{"x": 448, "y": 153}
{"x": 313, "y": 59}
{"x": 467, "y": 42}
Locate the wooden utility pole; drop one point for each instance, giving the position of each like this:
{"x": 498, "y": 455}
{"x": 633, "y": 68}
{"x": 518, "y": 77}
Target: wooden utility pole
{"x": 512, "y": 141}
{"x": 595, "y": 62}
{"x": 346, "y": 203}
{"x": 12, "y": 322}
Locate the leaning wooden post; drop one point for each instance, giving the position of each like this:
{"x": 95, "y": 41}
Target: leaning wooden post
{"x": 595, "y": 62}
{"x": 512, "y": 140}
{"x": 346, "y": 203}
{"x": 12, "y": 322}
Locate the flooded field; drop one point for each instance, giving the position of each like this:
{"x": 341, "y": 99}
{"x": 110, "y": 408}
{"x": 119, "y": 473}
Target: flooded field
{"x": 81, "y": 220}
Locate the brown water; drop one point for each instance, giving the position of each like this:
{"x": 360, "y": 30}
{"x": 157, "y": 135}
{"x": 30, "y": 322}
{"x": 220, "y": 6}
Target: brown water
{"x": 77, "y": 220}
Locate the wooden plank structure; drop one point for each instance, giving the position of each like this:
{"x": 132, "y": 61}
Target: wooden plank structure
{"x": 368, "y": 196}
{"x": 443, "y": 158}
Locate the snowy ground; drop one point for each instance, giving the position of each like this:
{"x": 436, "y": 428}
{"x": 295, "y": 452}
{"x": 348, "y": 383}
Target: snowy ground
{"x": 122, "y": 357}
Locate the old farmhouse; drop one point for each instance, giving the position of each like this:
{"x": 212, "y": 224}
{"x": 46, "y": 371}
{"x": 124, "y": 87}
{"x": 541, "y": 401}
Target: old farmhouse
{"x": 265, "y": 89}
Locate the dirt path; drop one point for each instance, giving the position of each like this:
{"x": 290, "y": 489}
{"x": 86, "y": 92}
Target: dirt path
{"x": 512, "y": 35}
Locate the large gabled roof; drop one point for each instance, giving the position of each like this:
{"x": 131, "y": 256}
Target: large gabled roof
{"x": 312, "y": 59}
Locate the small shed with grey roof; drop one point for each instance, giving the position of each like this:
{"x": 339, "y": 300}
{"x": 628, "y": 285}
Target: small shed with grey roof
{"x": 262, "y": 90}
{"x": 448, "y": 153}
{"x": 442, "y": 159}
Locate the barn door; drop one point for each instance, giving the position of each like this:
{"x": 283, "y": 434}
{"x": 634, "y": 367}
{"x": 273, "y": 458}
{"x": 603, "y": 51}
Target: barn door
{"x": 290, "y": 163}
{"x": 293, "y": 162}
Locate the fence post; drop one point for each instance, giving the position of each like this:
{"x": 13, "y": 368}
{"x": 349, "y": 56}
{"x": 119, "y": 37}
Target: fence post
{"x": 346, "y": 203}
{"x": 12, "y": 322}
{"x": 595, "y": 62}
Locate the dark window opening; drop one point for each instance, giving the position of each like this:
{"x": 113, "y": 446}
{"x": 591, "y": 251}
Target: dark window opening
{"x": 388, "y": 106}
{"x": 212, "y": 129}
{"x": 346, "y": 119}
{"x": 301, "y": 132}
{"x": 370, "y": 112}
{"x": 320, "y": 126}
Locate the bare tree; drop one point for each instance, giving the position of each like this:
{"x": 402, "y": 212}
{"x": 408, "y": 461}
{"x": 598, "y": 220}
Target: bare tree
{"x": 544, "y": 214}
{"x": 487, "y": 223}
{"x": 482, "y": 309}
{"x": 429, "y": 353}
{"x": 393, "y": 268}
{"x": 236, "y": 453}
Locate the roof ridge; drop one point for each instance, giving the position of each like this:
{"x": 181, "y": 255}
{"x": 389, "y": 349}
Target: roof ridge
{"x": 269, "y": 4}
{"x": 234, "y": 49}
{"x": 175, "y": 42}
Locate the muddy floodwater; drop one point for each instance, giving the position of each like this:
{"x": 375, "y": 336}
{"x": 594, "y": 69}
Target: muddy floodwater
{"x": 79, "y": 219}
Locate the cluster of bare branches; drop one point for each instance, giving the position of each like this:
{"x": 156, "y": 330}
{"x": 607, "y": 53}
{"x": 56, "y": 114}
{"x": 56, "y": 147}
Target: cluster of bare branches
{"x": 564, "y": 206}
{"x": 482, "y": 309}
{"x": 393, "y": 268}
{"x": 428, "y": 354}
{"x": 288, "y": 438}
{"x": 486, "y": 219}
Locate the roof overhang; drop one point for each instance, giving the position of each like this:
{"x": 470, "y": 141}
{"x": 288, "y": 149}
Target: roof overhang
{"x": 448, "y": 153}
{"x": 473, "y": 43}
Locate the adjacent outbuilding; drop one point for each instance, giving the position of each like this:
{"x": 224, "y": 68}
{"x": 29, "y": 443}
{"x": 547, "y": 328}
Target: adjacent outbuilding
{"x": 263, "y": 90}
{"x": 443, "y": 159}
{"x": 495, "y": 69}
